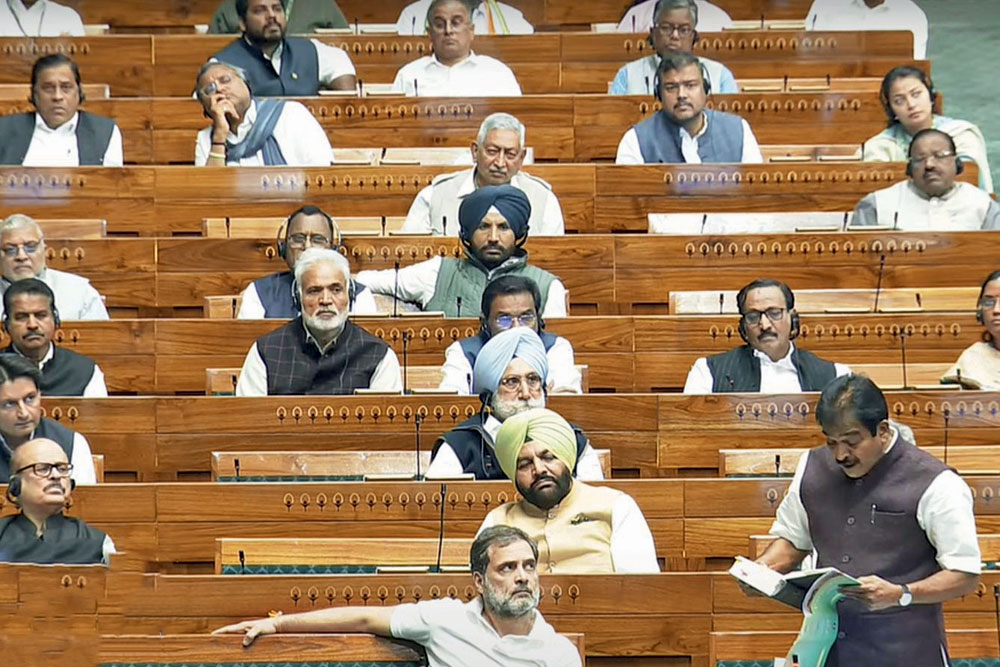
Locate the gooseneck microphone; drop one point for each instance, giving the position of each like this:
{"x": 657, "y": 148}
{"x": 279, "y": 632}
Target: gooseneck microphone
{"x": 444, "y": 496}
{"x": 722, "y": 302}
{"x": 996, "y": 612}
{"x": 406, "y": 344}
{"x": 704, "y": 219}
{"x": 947, "y": 418}
{"x": 878, "y": 285}
{"x": 395, "y": 290}
{"x": 458, "y": 306}
{"x": 416, "y": 444}
{"x": 236, "y": 465}
{"x": 902, "y": 351}
{"x": 444, "y": 225}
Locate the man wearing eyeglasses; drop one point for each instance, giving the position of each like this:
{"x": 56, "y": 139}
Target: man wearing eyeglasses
{"x": 510, "y": 375}
{"x": 21, "y": 420}
{"x": 931, "y": 200}
{"x": 673, "y": 31}
{"x": 273, "y": 296}
{"x": 22, "y": 255}
{"x": 684, "y": 130}
{"x": 580, "y": 528}
{"x": 40, "y": 486}
{"x": 510, "y": 302}
{"x": 640, "y": 17}
{"x": 454, "y": 70}
{"x": 770, "y": 362}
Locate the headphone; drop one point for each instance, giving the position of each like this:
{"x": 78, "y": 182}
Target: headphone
{"x": 15, "y": 486}
{"x": 45, "y": 290}
{"x": 796, "y": 322}
{"x": 900, "y": 73}
{"x": 706, "y": 82}
{"x": 959, "y": 165}
{"x": 281, "y": 239}
{"x": 980, "y": 318}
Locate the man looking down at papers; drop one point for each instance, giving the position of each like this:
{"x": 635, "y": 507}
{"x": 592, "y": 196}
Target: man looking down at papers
{"x": 877, "y": 508}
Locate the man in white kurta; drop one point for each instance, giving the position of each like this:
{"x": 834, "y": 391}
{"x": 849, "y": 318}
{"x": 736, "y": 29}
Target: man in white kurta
{"x": 854, "y": 15}
{"x": 488, "y": 18}
{"x": 38, "y": 18}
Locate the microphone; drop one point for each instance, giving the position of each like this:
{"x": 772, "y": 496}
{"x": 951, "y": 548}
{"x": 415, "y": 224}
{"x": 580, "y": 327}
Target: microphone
{"x": 236, "y": 464}
{"x": 416, "y": 89}
{"x": 895, "y": 221}
{"x": 844, "y": 228}
{"x": 947, "y": 418}
{"x": 444, "y": 225}
{"x": 648, "y": 88}
{"x": 704, "y": 219}
{"x": 243, "y": 562}
{"x": 383, "y": 225}
{"x": 902, "y": 349}
{"x": 722, "y": 301}
{"x": 633, "y": 23}
{"x": 357, "y": 27}
{"x": 958, "y": 375}
{"x": 878, "y": 285}
{"x": 458, "y": 306}
{"x": 777, "y": 465}
{"x": 406, "y": 342}
{"x": 416, "y": 425}
{"x": 361, "y": 88}
{"x": 919, "y": 302}
{"x": 444, "y": 494}
{"x": 395, "y": 292}
{"x": 413, "y": 25}
{"x": 786, "y": 84}
{"x": 996, "y": 612}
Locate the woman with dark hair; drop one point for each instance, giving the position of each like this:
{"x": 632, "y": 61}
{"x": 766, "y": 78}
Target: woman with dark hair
{"x": 979, "y": 365}
{"x": 908, "y": 97}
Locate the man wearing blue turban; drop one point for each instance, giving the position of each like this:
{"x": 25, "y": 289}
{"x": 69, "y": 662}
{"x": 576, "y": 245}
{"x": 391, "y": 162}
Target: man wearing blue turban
{"x": 509, "y": 375}
{"x": 493, "y": 228}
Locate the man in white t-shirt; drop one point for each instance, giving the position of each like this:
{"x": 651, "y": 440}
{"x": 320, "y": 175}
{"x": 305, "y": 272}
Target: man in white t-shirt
{"x": 501, "y": 627}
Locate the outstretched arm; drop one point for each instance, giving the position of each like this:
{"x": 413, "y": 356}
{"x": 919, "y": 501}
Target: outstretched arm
{"x": 374, "y": 620}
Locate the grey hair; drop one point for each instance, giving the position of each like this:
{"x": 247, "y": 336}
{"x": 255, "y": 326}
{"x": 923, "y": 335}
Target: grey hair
{"x": 313, "y": 256}
{"x": 499, "y": 536}
{"x": 664, "y": 6}
{"x": 469, "y": 5}
{"x": 240, "y": 73}
{"x": 500, "y": 121}
{"x": 21, "y": 221}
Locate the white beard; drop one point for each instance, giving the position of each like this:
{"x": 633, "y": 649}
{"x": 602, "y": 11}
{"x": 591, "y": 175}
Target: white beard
{"x": 504, "y": 410}
{"x": 324, "y": 325}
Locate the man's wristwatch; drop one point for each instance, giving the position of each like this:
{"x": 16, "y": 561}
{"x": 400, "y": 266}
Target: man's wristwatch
{"x": 906, "y": 598}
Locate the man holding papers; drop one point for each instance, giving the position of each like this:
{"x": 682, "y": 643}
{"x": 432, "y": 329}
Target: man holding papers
{"x": 877, "y": 508}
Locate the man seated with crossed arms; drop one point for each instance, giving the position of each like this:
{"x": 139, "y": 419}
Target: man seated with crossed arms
{"x": 500, "y": 627}
{"x": 582, "y": 529}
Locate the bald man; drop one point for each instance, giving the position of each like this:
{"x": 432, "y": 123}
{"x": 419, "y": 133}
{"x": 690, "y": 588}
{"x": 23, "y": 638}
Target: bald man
{"x": 40, "y": 486}
{"x": 511, "y": 374}
{"x": 580, "y": 529}
{"x": 493, "y": 228}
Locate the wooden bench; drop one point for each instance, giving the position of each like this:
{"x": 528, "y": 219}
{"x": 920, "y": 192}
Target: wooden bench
{"x": 890, "y": 300}
{"x": 256, "y": 228}
{"x": 258, "y": 466}
{"x": 22, "y": 91}
{"x": 764, "y": 462}
{"x": 332, "y": 555}
{"x": 989, "y": 546}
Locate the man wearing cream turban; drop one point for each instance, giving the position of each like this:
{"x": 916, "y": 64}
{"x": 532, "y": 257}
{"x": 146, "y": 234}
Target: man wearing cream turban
{"x": 579, "y": 528}
{"x": 509, "y": 374}
{"x": 493, "y": 227}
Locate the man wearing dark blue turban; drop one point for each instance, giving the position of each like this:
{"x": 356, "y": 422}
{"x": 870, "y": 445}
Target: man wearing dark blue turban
{"x": 493, "y": 228}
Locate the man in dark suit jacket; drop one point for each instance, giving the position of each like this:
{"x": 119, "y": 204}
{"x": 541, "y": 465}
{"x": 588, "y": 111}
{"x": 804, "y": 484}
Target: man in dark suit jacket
{"x": 58, "y": 134}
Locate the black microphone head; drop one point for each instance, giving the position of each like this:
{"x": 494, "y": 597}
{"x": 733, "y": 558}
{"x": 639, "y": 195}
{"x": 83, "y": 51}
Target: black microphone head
{"x": 458, "y": 306}
{"x": 395, "y": 265}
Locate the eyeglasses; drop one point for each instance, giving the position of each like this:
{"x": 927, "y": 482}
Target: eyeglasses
{"x": 12, "y": 251}
{"x": 988, "y": 302}
{"x": 752, "y": 317}
{"x": 667, "y": 29}
{"x": 937, "y": 155}
{"x": 44, "y": 470}
{"x": 298, "y": 241}
{"x": 213, "y": 87}
{"x": 514, "y": 382}
{"x": 455, "y": 25}
{"x": 505, "y": 322}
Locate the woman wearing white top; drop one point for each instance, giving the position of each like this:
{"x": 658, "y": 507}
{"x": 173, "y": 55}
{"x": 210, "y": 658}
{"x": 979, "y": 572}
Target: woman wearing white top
{"x": 979, "y": 365}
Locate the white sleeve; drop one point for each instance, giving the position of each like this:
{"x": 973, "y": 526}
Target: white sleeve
{"x": 96, "y": 388}
{"x": 506, "y": 83}
{"x": 945, "y": 514}
{"x": 416, "y": 283}
{"x": 387, "y": 376}
{"x": 333, "y": 62}
{"x": 588, "y": 468}
{"x": 92, "y": 307}
{"x": 632, "y": 548}
{"x": 311, "y": 146}
{"x": 445, "y": 463}
{"x": 564, "y": 378}
{"x": 555, "y": 301}
{"x": 202, "y": 146}
{"x": 791, "y": 521}
{"x": 364, "y": 303}
{"x": 488, "y": 522}
{"x": 457, "y": 371}
{"x": 253, "y": 377}
{"x": 400, "y": 83}
{"x": 113, "y": 155}
{"x": 628, "y": 149}
{"x": 107, "y": 548}
{"x": 919, "y": 34}
{"x": 418, "y": 218}
{"x": 699, "y": 379}
{"x": 751, "y": 150}
{"x": 553, "y": 224}
{"x": 250, "y": 307}
{"x": 76, "y": 23}
{"x": 625, "y": 25}
{"x": 516, "y": 23}
{"x": 83, "y": 463}
{"x": 408, "y": 22}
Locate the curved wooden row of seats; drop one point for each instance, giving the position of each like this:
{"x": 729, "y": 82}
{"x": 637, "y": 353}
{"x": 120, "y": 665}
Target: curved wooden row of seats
{"x": 134, "y": 14}
{"x": 169, "y": 438}
{"x": 572, "y": 128}
{"x": 165, "y": 65}
{"x": 622, "y": 354}
{"x": 166, "y": 201}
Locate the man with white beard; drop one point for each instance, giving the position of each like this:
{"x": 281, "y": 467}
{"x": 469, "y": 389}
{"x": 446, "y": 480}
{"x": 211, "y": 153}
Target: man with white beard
{"x": 509, "y": 376}
{"x": 319, "y": 352}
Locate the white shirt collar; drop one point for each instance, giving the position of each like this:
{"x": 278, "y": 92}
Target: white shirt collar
{"x": 914, "y": 190}
{"x": 860, "y": 4}
{"x": 48, "y": 355}
{"x": 785, "y": 362}
{"x": 702, "y": 131}
{"x": 68, "y": 128}
{"x": 469, "y": 59}
{"x": 474, "y": 608}
{"x": 492, "y": 426}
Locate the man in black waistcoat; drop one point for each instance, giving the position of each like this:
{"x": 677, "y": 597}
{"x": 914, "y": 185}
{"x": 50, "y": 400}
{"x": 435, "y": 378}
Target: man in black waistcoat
{"x": 31, "y": 319}
{"x": 58, "y": 134}
{"x": 280, "y": 66}
{"x": 320, "y": 351}
{"x": 509, "y": 375}
{"x": 769, "y": 362}
{"x": 40, "y": 486}
{"x": 874, "y": 506}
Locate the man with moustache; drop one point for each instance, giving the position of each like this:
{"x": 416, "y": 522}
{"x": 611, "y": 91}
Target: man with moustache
{"x": 873, "y": 505}
{"x": 320, "y": 351}
{"x": 510, "y": 376}
{"x": 581, "y": 529}
{"x": 930, "y": 200}
{"x": 280, "y": 66}
{"x": 500, "y": 627}
{"x": 304, "y": 16}
{"x": 769, "y": 362}
{"x": 40, "y": 486}
{"x": 684, "y": 131}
